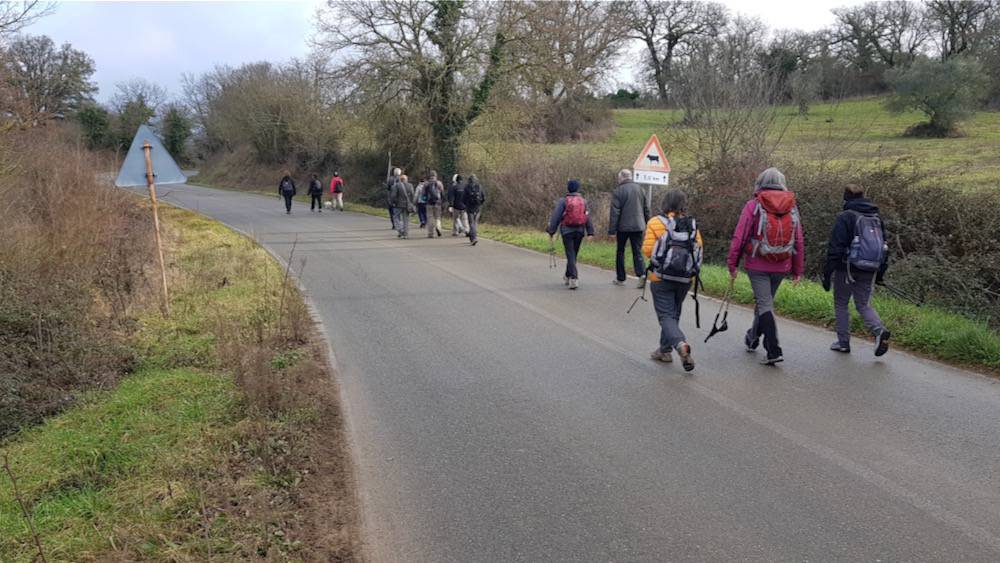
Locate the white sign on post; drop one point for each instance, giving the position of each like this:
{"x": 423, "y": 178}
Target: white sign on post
{"x": 652, "y": 178}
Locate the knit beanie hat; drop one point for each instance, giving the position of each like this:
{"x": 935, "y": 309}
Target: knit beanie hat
{"x": 573, "y": 186}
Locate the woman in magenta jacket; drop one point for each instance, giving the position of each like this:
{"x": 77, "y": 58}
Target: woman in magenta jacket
{"x": 767, "y": 266}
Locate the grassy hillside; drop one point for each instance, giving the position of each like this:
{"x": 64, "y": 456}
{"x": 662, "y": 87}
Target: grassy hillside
{"x": 857, "y": 132}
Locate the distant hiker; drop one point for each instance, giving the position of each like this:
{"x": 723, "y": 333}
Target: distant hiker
{"x": 572, "y": 217}
{"x": 402, "y": 198}
{"x": 674, "y": 246}
{"x": 434, "y": 196}
{"x": 768, "y": 238}
{"x": 856, "y": 259}
{"x": 286, "y": 187}
{"x": 629, "y": 218}
{"x": 337, "y": 191}
{"x": 456, "y": 206}
{"x": 421, "y": 199}
{"x": 389, "y": 183}
{"x": 315, "y": 194}
{"x": 475, "y": 197}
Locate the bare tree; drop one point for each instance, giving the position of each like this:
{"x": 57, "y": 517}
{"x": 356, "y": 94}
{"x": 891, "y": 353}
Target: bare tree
{"x": 149, "y": 94}
{"x": 668, "y": 29}
{"x": 890, "y": 33}
{"x": 43, "y": 82}
{"x": 958, "y": 23}
{"x": 445, "y": 56}
{"x": 15, "y": 16}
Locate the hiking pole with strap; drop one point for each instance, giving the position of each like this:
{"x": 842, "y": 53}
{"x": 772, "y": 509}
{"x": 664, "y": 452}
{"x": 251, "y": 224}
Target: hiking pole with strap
{"x": 902, "y": 294}
{"x": 697, "y": 306}
{"x": 642, "y": 296}
{"x": 553, "y": 261}
{"x": 724, "y": 311}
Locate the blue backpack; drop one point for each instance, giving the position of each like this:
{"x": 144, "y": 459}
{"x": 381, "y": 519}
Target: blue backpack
{"x": 868, "y": 248}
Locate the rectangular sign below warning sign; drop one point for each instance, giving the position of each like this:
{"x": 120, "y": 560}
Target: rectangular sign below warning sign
{"x": 651, "y": 178}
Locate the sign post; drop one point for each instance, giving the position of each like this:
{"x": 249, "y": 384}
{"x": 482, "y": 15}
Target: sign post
{"x": 651, "y": 168}
{"x": 151, "y": 184}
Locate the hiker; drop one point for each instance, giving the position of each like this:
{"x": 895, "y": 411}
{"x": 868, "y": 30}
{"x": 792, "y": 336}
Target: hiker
{"x": 421, "y": 198}
{"x": 629, "y": 218}
{"x": 389, "y": 183}
{"x": 572, "y": 217}
{"x": 434, "y": 195}
{"x": 674, "y": 246}
{"x": 315, "y": 194}
{"x": 768, "y": 239}
{"x": 856, "y": 259}
{"x": 475, "y": 197}
{"x": 456, "y": 206}
{"x": 337, "y": 191}
{"x": 402, "y": 198}
{"x": 286, "y": 187}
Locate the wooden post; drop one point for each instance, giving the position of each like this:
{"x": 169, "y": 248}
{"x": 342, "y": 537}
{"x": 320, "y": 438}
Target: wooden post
{"x": 147, "y": 148}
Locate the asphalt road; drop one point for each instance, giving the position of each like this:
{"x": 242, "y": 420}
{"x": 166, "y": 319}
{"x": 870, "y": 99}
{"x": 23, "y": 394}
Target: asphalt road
{"x": 496, "y": 416}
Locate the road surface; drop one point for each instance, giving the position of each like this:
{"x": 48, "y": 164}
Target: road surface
{"x": 496, "y": 416}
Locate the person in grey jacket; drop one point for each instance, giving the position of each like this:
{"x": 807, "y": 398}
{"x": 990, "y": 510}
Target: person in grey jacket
{"x": 629, "y": 216}
{"x": 572, "y": 233}
{"x": 402, "y": 198}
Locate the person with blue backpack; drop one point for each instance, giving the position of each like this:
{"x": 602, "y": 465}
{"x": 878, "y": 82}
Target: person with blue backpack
{"x": 571, "y": 217}
{"x": 673, "y": 244}
{"x": 856, "y": 259}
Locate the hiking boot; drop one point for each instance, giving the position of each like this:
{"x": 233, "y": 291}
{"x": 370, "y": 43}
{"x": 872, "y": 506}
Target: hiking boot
{"x": 839, "y": 346}
{"x": 684, "y": 351}
{"x": 475, "y": 242}
{"x": 660, "y": 356}
{"x": 573, "y": 283}
{"x": 773, "y": 358}
{"x": 882, "y": 342}
{"x": 618, "y": 282}
{"x": 438, "y": 231}
{"x": 642, "y": 283}
{"x": 751, "y": 345}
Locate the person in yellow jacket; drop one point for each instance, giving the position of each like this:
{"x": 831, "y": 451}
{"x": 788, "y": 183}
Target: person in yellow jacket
{"x": 669, "y": 294}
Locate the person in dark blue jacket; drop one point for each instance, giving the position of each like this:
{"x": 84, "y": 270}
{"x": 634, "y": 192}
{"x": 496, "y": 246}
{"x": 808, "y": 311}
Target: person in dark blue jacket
{"x": 856, "y": 284}
{"x": 572, "y": 225}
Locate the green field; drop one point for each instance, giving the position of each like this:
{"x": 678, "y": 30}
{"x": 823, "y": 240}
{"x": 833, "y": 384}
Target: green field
{"x": 855, "y": 132}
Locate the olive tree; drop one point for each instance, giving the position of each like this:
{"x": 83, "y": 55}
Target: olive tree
{"x": 947, "y": 92}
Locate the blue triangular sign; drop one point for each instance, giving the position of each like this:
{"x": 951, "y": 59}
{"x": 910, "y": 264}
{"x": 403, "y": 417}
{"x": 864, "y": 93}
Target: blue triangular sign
{"x": 133, "y": 172}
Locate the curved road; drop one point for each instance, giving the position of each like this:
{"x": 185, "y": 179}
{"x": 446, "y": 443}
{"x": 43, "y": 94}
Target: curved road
{"x": 495, "y": 416}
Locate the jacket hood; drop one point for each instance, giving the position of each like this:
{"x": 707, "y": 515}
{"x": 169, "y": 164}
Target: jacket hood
{"x": 770, "y": 179}
{"x": 861, "y": 205}
{"x": 776, "y": 201}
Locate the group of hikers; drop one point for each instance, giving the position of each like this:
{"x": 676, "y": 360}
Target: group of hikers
{"x": 464, "y": 199}
{"x": 767, "y": 241}
{"x": 287, "y": 190}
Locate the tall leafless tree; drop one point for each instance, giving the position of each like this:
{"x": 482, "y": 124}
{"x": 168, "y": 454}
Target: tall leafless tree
{"x": 958, "y": 23}
{"x": 668, "y": 29}
{"x": 15, "y": 16}
{"x": 887, "y": 33}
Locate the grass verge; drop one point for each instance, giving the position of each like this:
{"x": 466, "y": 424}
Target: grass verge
{"x": 926, "y": 330}
{"x": 225, "y": 444}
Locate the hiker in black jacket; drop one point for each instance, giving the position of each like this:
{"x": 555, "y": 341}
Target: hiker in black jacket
{"x": 286, "y": 188}
{"x": 629, "y": 216}
{"x": 456, "y": 206}
{"x": 475, "y": 197}
{"x": 847, "y": 283}
{"x": 315, "y": 194}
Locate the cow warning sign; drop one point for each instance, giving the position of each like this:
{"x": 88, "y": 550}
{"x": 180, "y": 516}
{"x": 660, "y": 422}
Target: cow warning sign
{"x": 652, "y": 167}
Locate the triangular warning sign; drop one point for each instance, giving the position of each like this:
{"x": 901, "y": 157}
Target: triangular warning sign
{"x": 652, "y": 158}
{"x": 133, "y": 172}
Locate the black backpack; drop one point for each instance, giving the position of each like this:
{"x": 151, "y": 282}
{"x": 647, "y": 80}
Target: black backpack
{"x": 286, "y": 186}
{"x": 473, "y": 195}
{"x": 433, "y": 193}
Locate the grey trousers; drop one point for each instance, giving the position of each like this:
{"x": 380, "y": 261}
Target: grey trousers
{"x": 460, "y": 222}
{"x": 765, "y": 287}
{"x": 473, "y": 224}
{"x": 401, "y": 220}
{"x": 433, "y": 219}
{"x": 668, "y": 297}
{"x": 861, "y": 291}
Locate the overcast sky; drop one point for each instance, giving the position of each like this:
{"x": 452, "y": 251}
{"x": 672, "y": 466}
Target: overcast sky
{"x": 161, "y": 40}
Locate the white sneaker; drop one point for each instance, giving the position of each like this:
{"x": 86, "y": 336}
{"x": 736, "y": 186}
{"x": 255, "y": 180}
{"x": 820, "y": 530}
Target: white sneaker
{"x": 574, "y": 283}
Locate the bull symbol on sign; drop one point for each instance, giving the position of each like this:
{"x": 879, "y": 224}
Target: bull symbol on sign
{"x": 652, "y": 158}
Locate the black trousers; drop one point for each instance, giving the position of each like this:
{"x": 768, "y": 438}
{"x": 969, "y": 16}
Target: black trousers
{"x": 571, "y": 244}
{"x": 288, "y": 201}
{"x": 315, "y": 202}
{"x": 635, "y": 239}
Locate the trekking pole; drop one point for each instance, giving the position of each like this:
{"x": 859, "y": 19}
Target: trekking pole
{"x": 553, "y": 261}
{"x": 902, "y": 294}
{"x": 642, "y": 296}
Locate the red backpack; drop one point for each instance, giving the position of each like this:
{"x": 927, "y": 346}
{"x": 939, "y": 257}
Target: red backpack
{"x": 575, "y": 214}
{"x": 776, "y": 218}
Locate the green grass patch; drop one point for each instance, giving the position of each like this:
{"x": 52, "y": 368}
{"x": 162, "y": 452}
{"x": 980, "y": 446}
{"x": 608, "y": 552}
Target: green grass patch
{"x": 926, "y": 330}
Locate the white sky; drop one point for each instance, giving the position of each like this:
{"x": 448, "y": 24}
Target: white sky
{"x": 161, "y": 40}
